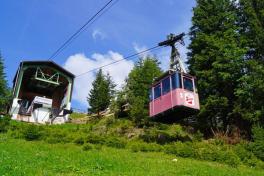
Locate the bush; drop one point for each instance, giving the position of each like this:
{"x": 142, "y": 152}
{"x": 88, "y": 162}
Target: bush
{"x": 107, "y": 121}
{"x": 4, "y": 123}
{"x": 95, "y": 139}
{"x": 115, "y": 142}
{"x": 105, "y": 140}
{"x": 213, "y": 152}
{"x": 203, "y": 151}
{"x": 145, "y": 147}
{"x": 32, "y": 132}
{"x": 229, "y": 157}
{"x": 16, "y": 134}
{"x": 162, "y": 136}
{"x": 245, "y": 156}
{"x": 79, "y": 141}
{"x": 180, "y": 149}
{"x": 198, "y": 136}
{"x": 54, "y": 136}
{"x": 98, "y": 147}
{"x": 138, "y": 112}
{"x": 87, "y": 147}
{"x": 257, "y": 147}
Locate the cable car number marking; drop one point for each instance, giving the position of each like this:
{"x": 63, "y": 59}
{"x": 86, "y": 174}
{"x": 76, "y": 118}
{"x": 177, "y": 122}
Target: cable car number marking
{"x": 189, "y": 99}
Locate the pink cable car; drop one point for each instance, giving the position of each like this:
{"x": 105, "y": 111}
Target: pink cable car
{"x": 174, "y": 93}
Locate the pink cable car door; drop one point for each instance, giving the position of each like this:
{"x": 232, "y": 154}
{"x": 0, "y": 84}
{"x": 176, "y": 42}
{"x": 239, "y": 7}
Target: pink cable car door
{"x": 166, "y": 94}
{"x": 157, "y": 102}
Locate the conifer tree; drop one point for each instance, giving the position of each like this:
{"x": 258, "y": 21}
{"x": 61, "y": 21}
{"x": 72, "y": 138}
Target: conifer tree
{"x": 250, "y": 91}
{"x": 4, "y": 90}
{"x": 251, "y": 20}
{"x": 111, "y": 86}
{"x": 216, "y": 58}
{"x": 100, "y": 94}
{"x": 138, "y": 84}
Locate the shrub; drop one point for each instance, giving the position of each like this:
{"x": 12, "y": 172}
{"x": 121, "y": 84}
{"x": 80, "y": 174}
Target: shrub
{"x": 107, "y": 121}
{"x": 166, "y": 135}
{"x": 180, "y": 149}
{"x": 57, "y": 136}
{"x": 95, "y": 139}
{"x": 32, "y": 132}
{"x": 87, "y": 147}
{"x": 98, "y": 146}
{"x": 138, "y": 112}
{"x": 115, "y": 142}
{"x": 145, "y": 147}
{"x": 79, "y": 141}
{"x": 229, "y": 157}
{"x": 257, "y": 147}
{"x": 105, "y": 140}
{"x": 16, "y": 134}
{"x": 198, "y": 136}
{"x": 245, "y": 156}
{"x": 149, "y": 135}
{"x": 4, "y": 123}
{"x": 213, "y": 152}
{"x": 203, "y": 151}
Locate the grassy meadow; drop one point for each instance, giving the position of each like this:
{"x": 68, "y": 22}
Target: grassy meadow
{"x": 112, "y": 146}
{"x": 20, "y": 157}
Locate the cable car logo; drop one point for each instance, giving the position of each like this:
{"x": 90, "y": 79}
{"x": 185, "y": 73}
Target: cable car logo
{"x": 189, "y": 99}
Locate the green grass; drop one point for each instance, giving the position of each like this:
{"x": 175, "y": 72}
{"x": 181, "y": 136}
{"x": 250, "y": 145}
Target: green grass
{"x": 77, "y": 115}
{"x": 19, "y": 157}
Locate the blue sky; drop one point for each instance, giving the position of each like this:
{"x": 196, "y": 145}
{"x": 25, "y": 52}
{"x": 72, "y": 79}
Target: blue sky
{"x": 34, "y": 29}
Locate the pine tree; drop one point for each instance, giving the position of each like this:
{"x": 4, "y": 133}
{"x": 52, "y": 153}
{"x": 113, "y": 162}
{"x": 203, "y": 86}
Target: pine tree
{"x": 250, "y": 91}
{"x": 216, "y": 58}
{"x": 138, "y": 84}
{"x": 4, "y": 90}
{"x": 251, "y": 20}
{"x": 100, "y": 94}
{"x": 111, "y": 86}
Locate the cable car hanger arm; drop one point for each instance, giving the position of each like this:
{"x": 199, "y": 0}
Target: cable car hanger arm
{"x": 175, "y": 60}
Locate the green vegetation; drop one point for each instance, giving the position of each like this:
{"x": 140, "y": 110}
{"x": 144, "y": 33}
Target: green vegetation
{"x": 101, "y": 93}
{"x": 257, "y": 147}
{"x": 226, "y": 55}
{"x": 76, "y": 115}
{"x": 19, "y": 157}
{"x": 4, "y": 123}
{"x": 136, "y": 90}
{"x": 251, "y": 20}
{"x": 250, "y": 91}
{"x": 122, "y": 134}
{"x": 225, "y": 138}
{"x": 4, "y": 90}
{"x": 216, "y": 58}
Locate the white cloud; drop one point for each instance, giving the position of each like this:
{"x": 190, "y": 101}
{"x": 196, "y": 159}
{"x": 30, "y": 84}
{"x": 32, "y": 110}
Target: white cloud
{"x": 98, "y": 34}
{"x": 139, "y": 49}
{"x": 79, "y": 63}
{"x": 164, "y": 57}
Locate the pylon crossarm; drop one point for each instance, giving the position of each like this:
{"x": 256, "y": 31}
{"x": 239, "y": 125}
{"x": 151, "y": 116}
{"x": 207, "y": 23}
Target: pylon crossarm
{"x": 52, "y": 79}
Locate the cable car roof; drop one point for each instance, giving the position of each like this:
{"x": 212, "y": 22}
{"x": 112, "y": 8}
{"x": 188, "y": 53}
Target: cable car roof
{"x": 46, "y": 63}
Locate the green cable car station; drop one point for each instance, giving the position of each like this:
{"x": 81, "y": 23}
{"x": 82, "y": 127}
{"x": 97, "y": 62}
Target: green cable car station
{"x": 42, "y": 92}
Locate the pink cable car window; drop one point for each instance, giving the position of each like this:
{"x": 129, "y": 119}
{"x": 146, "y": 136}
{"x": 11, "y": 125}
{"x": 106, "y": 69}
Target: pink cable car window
{"x": 165, "y": 85}
{"x": 188, "y": 84}
{"x": 157, "y": 91}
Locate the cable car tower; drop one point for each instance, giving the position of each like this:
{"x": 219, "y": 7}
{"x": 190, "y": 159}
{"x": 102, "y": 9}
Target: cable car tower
{"x": 174, "y": 94}
{"x": 175, "y": 60}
